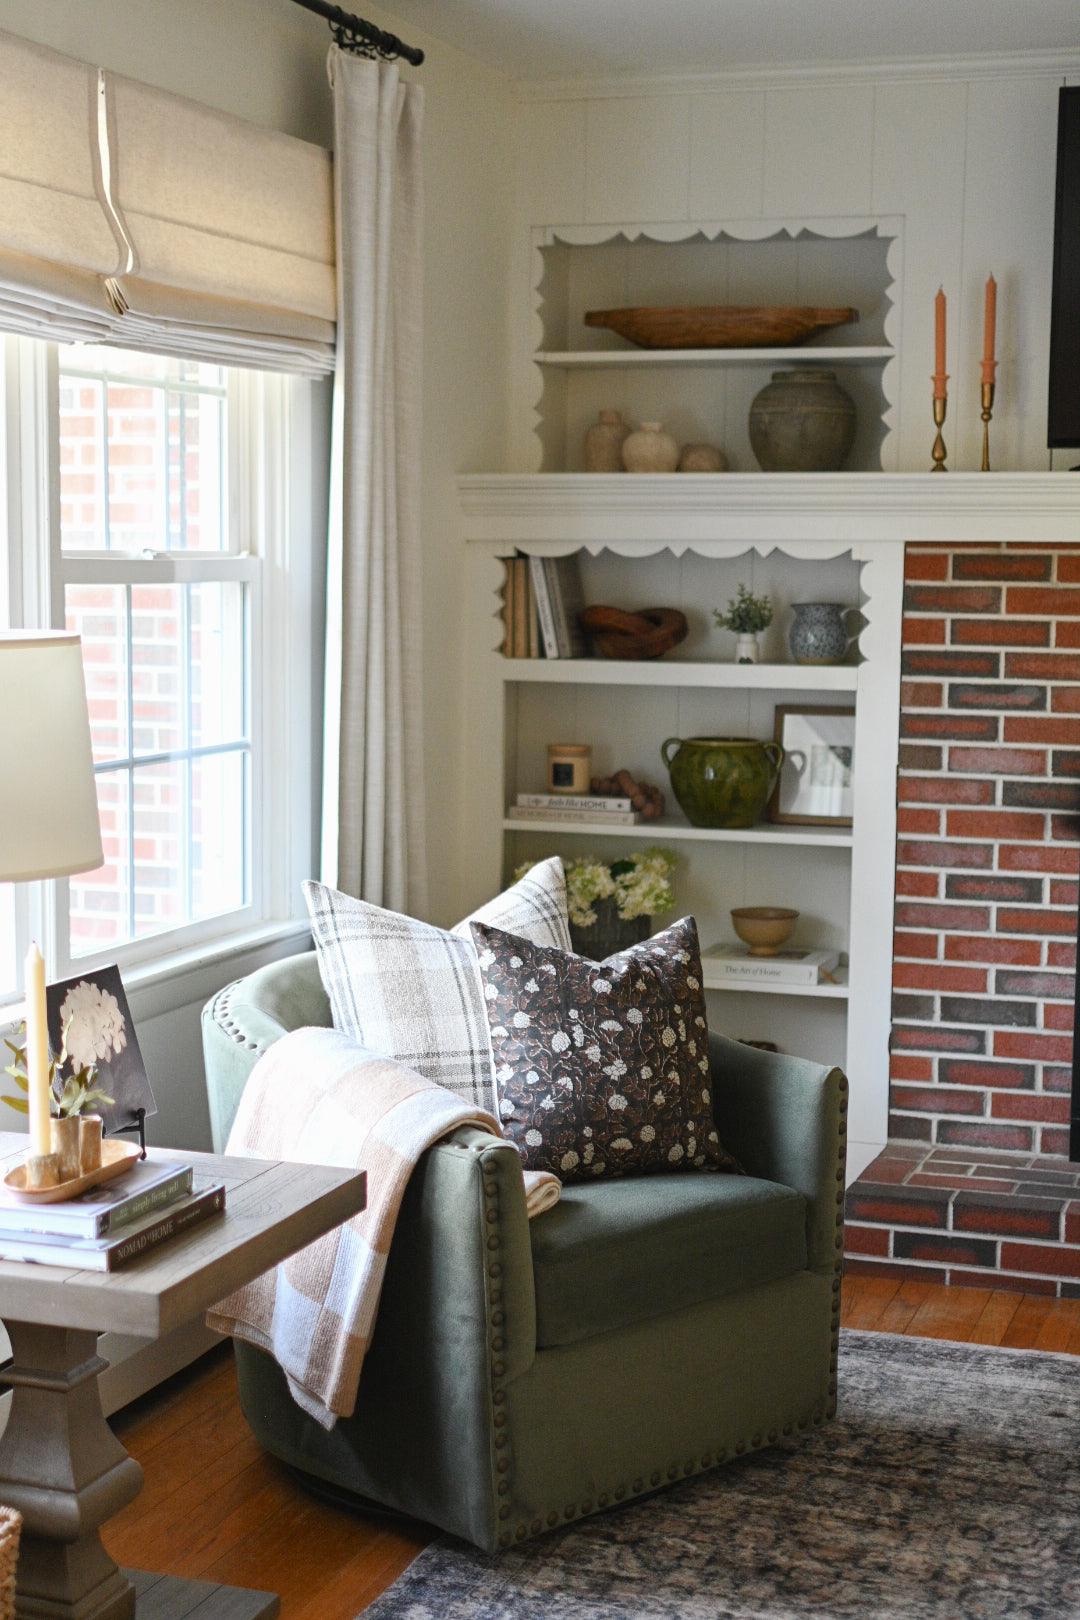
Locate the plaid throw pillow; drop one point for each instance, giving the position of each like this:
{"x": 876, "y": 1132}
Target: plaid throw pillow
{"x": 602, "y": 1068}
{"x": 412, "y": 992}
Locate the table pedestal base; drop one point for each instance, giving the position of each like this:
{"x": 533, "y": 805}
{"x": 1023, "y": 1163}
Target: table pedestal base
{"x": 65, "y": 1471}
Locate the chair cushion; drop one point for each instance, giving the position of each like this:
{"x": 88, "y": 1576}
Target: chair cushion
{"x": 616, "y": 1252}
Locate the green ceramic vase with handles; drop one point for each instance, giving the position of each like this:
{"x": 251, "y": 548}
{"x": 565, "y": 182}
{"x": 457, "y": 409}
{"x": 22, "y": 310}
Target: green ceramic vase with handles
{"x": 722, "y": 781}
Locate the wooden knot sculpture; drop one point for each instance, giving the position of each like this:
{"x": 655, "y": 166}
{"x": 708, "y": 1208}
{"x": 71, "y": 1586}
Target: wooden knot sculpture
{"x": 647, "y": 634}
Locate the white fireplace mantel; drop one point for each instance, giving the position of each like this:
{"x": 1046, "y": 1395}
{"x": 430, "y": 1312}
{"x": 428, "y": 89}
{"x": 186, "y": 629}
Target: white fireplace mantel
{"x": 636, "y": 513}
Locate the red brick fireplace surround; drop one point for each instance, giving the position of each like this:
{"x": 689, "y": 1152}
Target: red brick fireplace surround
{"x": 976, "y": 1184}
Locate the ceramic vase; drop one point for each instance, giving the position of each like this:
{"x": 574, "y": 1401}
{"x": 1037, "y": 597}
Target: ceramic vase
{"x": 802, "y": 421}
{"x": 649, "y": 449}
{"x": 722, "y": 781}
{"x": 65, "y": 1144}
{"x": 91, "y": 1127}
{"x": 702, "y": 458}
{"x": 747, "y": 649}
{"x": 819, "y": 632}
{"x": 604, "y": 442}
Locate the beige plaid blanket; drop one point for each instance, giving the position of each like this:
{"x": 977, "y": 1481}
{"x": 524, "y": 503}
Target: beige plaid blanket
{"x": 317, "y": 1098}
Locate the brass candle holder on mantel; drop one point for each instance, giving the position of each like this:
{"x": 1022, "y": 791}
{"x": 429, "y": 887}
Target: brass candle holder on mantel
{"x": 987, "y": 413}
{"x": 939, "y": 451}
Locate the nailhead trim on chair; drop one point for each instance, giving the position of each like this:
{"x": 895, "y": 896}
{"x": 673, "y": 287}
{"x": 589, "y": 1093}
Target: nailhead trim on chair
{"x": 756, "y": 1441}
{"x": 221, "y": 1013}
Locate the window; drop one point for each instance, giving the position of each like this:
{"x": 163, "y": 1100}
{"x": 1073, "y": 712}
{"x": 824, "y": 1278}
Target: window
{"x": 152, "y": 582}
{"x": 157, "y": 491}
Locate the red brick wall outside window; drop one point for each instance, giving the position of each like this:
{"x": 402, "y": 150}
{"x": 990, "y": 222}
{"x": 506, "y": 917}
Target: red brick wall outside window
{"x": 987, "y": 849}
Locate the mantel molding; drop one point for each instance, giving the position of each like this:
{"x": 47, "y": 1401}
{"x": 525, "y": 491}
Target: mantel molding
{"x": 631, "y": 510}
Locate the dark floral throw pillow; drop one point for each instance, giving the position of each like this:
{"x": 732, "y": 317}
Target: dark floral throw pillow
{"x": 601, "y": 1068}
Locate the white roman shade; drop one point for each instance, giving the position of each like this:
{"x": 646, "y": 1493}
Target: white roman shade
{"x": 135, "y": 217}
{"x": 57, "y": 246}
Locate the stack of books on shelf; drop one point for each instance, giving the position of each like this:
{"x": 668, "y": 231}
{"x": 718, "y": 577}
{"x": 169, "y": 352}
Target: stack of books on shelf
{"x": 112, "y": 1224}
{"x": 590, "y": 808}
{"x": 800, "y": 969}
{"x": 542, "y": 597}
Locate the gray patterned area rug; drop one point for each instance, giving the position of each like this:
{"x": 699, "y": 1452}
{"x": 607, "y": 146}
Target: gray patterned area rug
{"x": 948, "y": 1488}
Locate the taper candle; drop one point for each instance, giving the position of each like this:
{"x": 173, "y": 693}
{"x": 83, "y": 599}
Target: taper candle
{"x": 989, "y": 364}
{"x": 941, "y": 376}
{"x": 37, "y": 1053}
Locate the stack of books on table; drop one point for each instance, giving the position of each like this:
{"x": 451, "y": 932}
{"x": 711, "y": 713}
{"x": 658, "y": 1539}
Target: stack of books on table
{"x": 112, "y": 1224}
{"x": 733, "y": 964}
{"x": 590, "y": 808}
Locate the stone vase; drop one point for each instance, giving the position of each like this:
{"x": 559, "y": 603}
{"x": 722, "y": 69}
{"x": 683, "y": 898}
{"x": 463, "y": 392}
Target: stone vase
{"x": 649, "y": 449}
{"x": 609, "y": 933}
{"x": 802, "y": 421}
{"x": 604, "y": 442}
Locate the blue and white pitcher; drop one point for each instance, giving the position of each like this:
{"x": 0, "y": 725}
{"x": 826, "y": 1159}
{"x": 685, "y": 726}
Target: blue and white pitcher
{"x": 819, "y": 632}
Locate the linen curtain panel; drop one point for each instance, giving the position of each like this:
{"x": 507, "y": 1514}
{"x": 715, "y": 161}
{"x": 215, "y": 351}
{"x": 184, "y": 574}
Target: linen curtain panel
{"x": 372, "y": 786}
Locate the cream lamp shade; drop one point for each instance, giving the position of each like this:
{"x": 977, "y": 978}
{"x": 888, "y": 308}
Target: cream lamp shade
{"x": 48, "y": 801}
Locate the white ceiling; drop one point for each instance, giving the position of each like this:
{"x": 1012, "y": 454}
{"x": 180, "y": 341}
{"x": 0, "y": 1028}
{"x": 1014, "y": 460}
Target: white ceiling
{"x": 539, "y": 39}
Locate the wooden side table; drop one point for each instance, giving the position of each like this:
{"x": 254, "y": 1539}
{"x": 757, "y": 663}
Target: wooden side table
{"x": 61, "y": 1465}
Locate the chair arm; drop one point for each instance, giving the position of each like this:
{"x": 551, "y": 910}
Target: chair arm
{"x": 461, "y": 1259}
{"x": 785, "y": 1120}
{"x": 248, "y": 1016}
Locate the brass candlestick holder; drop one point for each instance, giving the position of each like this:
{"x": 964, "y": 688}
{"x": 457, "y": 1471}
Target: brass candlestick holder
{"x": 987, "y": 413}
{"x": 939, "y": 452}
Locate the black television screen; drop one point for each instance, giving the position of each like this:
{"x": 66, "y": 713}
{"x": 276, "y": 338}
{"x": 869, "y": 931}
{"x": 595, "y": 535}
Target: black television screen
{"x": 1063, "y": 425}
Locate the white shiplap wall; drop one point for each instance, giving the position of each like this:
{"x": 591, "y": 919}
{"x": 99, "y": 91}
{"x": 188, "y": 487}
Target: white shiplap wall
{"x": 966, "y": 161}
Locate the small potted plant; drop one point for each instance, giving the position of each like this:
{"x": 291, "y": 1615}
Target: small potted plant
{"x": 76, "y": 1129}
{"x": 612, "y": 905}
{"x": 746, "y": 615}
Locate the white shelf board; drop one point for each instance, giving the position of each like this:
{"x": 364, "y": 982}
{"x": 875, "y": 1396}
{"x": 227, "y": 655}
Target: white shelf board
{"x": 668, "y": 827}
{"x": 673, "y": 672}
{"x": 837, "y": 991}
{"x": 594, "y": 359}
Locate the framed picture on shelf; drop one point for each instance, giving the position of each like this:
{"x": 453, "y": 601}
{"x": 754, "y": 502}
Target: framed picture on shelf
{"x": 815, "y": 787}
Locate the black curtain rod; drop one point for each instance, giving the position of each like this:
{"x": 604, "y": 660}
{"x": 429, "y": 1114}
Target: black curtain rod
{"x": 354, "y": 34}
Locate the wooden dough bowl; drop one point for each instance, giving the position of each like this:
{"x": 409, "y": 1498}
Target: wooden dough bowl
{"x": 719, "y": 326}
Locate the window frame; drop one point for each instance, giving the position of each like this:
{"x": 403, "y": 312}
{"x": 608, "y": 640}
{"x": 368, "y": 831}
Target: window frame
{"x": 260, "y": 511}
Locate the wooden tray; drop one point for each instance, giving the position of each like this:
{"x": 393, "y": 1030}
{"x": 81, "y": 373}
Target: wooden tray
{"x": 116, "y": 1158}
{"x": 719, "y": 326}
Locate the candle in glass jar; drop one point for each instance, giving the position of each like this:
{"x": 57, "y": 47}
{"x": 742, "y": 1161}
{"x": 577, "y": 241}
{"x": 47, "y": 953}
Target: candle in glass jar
{"x": 941, "y": 376}
{"x": 989, "y": 364}
{"x": 37, "y": 1053}
{"x": 568, "y": 768}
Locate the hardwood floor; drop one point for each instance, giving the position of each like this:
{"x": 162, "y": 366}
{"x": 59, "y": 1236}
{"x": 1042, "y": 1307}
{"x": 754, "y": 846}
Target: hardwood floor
{"x": 214, "y": 1506}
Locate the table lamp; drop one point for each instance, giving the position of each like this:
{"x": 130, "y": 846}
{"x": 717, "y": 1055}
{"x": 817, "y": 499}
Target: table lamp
{"x": 48, "y": 816}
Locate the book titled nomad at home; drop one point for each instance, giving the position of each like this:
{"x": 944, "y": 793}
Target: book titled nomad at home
{"x": 786, "y": 967}
{"x": 146, "y": 1186}
{"x": 119, "y": 1248}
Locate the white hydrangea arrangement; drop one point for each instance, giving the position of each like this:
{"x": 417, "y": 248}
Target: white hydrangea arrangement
{"x": 641, "y": 885}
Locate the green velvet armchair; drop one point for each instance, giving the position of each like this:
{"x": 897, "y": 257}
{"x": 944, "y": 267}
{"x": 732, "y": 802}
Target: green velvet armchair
{"x": 523, "y": 1375}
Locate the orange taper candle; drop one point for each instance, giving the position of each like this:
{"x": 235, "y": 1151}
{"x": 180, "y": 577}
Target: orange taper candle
{"x": 940, "y": 374}
{"x": 989, "y": 364}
